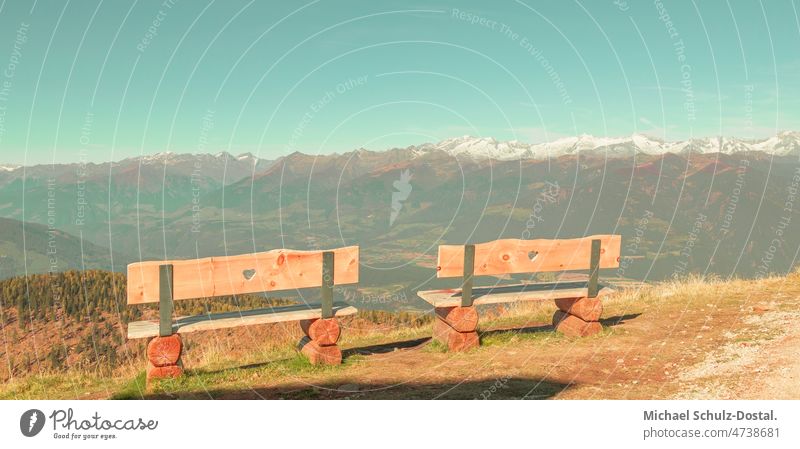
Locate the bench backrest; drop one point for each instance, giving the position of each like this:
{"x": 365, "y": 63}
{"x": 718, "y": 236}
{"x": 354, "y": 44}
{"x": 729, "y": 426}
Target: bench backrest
{"x": 511, "y": 256}
{"x": 529, "y": 256}
{"x": 280, "y": 269}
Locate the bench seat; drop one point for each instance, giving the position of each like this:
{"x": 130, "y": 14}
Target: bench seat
{"x": 510, "y": 293}
{"x": 185, "y": 325}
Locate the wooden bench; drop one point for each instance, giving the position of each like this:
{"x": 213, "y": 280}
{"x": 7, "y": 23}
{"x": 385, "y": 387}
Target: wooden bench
{"x": 578, "y": 302}
{"x": 277, "y": 270}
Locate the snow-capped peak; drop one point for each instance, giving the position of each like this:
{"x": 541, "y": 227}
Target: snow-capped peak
{"x": 172, "y": 158}
{"x": 246, "y": 157}
{"x": 480, "y": 148}
{"x": 156, "y": 157}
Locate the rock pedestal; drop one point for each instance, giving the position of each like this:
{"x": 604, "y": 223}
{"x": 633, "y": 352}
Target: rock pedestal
{"x": 455, "y": 327}
{"x": 319, "y": 343}
{"x": 578, "y": 317}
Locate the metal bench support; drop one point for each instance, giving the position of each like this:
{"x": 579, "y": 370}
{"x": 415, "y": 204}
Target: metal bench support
{"x": 165, "y": 300}
{"x": 469, "y": 270}
{"x": 594, "y": 270}
{"x": 327, "y": 284}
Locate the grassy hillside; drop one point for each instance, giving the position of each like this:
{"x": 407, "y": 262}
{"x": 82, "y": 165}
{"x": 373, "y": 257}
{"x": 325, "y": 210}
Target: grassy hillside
{"x": 698, "y": 338}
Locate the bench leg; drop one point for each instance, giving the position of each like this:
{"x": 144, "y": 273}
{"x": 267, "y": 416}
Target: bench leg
{"x": 319, "y": 342}
{"x": 578, "y": 317}
{"x": 455, "y": 327}
{"x": 164, "y": 357}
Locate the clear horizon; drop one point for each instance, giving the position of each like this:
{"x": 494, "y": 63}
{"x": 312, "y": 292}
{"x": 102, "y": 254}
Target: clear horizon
{"x": 94, "y": 81}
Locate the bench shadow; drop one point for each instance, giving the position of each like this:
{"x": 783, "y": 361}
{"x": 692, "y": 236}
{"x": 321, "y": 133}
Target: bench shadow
{"x": 520, "y": 330}
{"x": 384, "y": 348}
{"x": 486, "y": 388}
{"x": 541, "y": 328}
{"x": 619, "y": 319}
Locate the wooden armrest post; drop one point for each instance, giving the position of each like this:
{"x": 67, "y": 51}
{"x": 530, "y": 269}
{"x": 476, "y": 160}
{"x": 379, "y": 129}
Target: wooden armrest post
{"x": 165, "y": 300}
{"x": 469, "y": 270}
{"x": 327, "y": 284}
{"x": 594, "y": 270}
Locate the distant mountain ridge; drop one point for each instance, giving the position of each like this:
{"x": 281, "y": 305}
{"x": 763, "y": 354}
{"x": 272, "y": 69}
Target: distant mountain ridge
{"x": 786, "y": 143}
{"x": 221, "y": 168}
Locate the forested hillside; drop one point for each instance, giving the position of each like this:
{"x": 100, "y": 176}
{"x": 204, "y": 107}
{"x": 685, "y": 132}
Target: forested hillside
{"x": 76, "y": 320}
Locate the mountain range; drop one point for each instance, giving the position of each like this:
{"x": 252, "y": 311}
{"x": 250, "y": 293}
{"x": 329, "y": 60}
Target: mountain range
{"x": 224, "y": 166}
{"x": 783, "y": 144}
{"x": 721, "y": 206}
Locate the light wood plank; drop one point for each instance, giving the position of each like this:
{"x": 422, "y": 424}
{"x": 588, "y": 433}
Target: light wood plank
{"x": 185, "y": 325}
{"x": 514, "y": 256}
{"x": 511, "y": 293}
{"x": 280, "y": 269}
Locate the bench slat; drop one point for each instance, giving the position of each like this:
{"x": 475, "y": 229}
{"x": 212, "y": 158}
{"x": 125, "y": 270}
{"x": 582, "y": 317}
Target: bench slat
{"x": 184, "y": 325}
{"x": 280, "y": 269}
{"x": 511, "y": 293}
{"x": 514, "y": 256}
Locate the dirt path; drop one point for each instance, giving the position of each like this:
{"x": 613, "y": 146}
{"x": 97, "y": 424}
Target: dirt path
{"x": 759, "y": 360}
{"x": 764, "y": 366}
{"x": 782, "y": 380}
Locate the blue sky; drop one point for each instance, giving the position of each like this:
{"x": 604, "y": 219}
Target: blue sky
{"x": 89, "y": 80}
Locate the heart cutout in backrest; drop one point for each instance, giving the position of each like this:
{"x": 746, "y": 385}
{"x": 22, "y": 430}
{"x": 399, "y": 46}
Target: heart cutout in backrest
{"x": 532, "y": 255}
{"x": 249, "y": 273}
